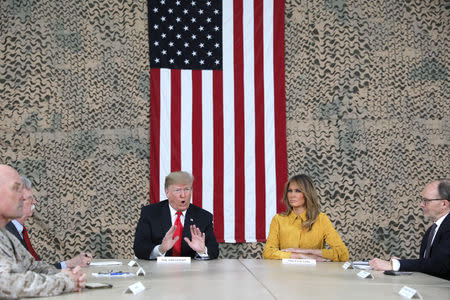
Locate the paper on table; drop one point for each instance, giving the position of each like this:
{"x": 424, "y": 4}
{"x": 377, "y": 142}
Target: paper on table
{"x": 362, "y": 265}
{"x": 126, "y": 274}
{"x": 361, "y": 262}
{"x": 106, "y": 263}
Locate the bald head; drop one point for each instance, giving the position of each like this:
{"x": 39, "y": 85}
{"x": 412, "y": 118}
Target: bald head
{"x": 432, "y": 187}
{"x": 441, "y": 188}
{"x": 5, "y": 173}
{"x": 11, "y": 195}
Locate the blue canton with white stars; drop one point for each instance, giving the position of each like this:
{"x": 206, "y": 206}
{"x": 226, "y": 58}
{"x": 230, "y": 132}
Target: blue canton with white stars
{"x": 185, "y": 34}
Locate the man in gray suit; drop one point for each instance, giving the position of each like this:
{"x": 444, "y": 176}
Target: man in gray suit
{"x": 20, "y": 274}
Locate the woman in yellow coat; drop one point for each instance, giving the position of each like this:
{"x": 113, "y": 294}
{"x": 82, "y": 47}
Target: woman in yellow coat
{"x": 302, "y": 230}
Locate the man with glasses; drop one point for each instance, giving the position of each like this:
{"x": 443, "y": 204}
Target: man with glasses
{"x": 175, "y": 227}
{"x": 434, "y": 256}
{"x": 18, "y": 229}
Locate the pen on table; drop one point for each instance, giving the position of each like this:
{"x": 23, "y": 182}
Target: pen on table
{"x": 119, "y": 273}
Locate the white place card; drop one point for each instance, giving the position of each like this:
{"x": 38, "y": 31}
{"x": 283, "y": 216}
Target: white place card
{"x": 347, "y": 265}
{"x": 408, "y": 292}
{"x": 135, "y": 288}
{"x": 299, "y": 261}
{"x": 364, "y": 274}
{"x": 140, "y": 272}
{"x": 133, "y": 263}
{"x": 105, "y": 263}
{"x": 173, "y": 260}
{"x": 362, "y": 265}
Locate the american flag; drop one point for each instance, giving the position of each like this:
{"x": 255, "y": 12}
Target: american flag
{"x": 217, "y": 108}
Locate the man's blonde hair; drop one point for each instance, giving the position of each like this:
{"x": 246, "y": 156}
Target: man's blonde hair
{"x": 179, "y": 177}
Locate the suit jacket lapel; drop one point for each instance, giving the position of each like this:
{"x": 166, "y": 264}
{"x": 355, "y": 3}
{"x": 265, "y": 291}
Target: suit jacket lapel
{"x": 12, "y": 229}
{"x": 441, "y": 229}
{"x": 423, "y": 245}
{"x": 165, "y": 218}
{"x": 188, "y": 221}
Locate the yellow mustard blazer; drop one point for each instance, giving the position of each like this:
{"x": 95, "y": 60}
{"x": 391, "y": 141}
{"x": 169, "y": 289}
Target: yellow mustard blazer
{"x": 287, "y": 232}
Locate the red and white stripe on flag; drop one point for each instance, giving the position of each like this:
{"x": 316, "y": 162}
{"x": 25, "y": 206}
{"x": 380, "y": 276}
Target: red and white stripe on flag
{"x": 227, "y": 127}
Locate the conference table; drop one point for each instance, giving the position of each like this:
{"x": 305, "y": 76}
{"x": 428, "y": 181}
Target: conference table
{"x": 255, "y": 279}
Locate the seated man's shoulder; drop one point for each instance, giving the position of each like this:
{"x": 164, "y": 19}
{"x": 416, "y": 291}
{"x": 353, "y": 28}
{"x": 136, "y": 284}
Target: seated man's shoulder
{"x": 152, "y": 209}
{"x": 155, "y": 205}
{"x": 446, "y": 222}
{"x": 199, "y": 210}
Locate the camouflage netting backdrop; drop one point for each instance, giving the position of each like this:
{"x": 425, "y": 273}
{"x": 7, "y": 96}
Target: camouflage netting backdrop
{"x": 367, "y": 88}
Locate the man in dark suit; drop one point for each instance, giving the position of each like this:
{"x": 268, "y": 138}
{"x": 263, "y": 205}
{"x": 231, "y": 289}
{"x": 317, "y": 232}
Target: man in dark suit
{"x": 17, "y": 228}
{"x": 434, "y": 256}
{"x": 175, "y": 227}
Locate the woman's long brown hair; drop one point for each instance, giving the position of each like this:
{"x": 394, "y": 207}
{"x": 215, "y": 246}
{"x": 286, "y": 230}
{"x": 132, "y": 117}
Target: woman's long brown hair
{"x": 310, "y": 193}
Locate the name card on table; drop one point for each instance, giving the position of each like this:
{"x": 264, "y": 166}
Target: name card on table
{"x": 408, "y": 292}
{"x": 173, "y": 260}
{"x": 299, "y": 261}
{"x": 347, "y": 265}
{"x": 135, "y": 288}
{"x": 105, "y": 263}
{"x": 363, "y": 265}
{"x": 133, "y": 263}
{"x": 140, "y": 272}
{"x": 364, "y": 274}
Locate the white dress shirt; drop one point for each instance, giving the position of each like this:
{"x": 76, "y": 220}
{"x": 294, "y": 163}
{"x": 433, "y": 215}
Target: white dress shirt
{"x": 173, "y": 213}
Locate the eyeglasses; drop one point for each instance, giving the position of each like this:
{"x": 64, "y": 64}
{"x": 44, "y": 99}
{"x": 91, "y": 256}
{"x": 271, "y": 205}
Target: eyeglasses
{"x": 178, "y": 191}
{"x": 425, "y": 200}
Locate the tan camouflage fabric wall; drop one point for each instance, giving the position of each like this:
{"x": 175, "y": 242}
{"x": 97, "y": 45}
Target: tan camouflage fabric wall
{"x": 367, "y": 88}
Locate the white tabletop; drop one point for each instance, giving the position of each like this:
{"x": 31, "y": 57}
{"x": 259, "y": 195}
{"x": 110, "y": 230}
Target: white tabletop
{"x": 257, "y": 279}
{"x": 331, "y": 281}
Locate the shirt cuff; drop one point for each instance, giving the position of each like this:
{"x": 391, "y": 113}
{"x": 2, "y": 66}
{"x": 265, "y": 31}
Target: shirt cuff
{"x": 395, "y": 264}
{"x": 63, "y": 265}
{"x": 155, "y": 253}
{"x": 204, "y": 255}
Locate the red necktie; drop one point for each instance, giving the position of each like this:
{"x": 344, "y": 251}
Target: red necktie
{"x": 178, "y": 232}
{"x": 26, "y": 238}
